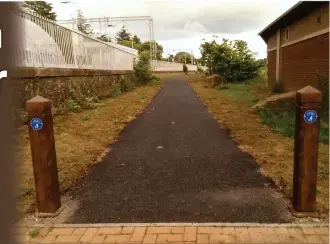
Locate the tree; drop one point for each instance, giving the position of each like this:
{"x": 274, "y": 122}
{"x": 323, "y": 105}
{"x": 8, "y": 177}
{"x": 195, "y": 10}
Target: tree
{"x": 123, "y": 35}
{"x": 104, "y": 38}
{"x": 124, "y": 38}
{"x": 181, "y": 56}
{"x": 145, "y": 46}
{"x": 262, "y": 62}
{"x": 231, "y": 59}
{"x": 126, "y": 43}
{"x": 142, "y": 69}
{"x": 42, "y": 8}
{"x": 136, "y": 40}
{"x": 82, "y": 25}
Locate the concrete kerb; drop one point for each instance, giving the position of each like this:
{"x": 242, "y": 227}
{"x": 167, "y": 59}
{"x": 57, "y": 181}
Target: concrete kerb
{"x": 106, "y": 225}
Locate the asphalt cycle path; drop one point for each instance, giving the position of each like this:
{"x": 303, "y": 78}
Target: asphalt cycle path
{"x": 174, "y": 163}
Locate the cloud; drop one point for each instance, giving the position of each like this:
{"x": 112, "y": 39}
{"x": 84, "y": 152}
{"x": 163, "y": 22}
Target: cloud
{"x": 183, "y": 23}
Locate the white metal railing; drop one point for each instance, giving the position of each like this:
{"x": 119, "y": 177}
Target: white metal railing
{"x": 47, "y": 44}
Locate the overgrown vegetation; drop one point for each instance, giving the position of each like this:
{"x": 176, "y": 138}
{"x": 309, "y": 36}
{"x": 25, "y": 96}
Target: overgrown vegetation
{"x": 126, "y": 85}
{"x": 42, "y": 8}
{"x": 116, "y": 92}
{"x": 283, "y": 121}
{"x": 231, "y": 59}
{"x": 143, "y": 70}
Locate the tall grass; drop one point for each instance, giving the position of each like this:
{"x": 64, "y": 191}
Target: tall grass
{"x": 283, "y": 122}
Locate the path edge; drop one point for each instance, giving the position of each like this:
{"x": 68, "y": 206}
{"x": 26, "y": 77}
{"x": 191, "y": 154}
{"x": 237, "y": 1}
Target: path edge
{"x": 98, "y": 225}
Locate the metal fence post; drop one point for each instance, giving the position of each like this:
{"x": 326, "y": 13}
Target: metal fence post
{"x": 43, "y": 156}
{"x": 306, "y": 151}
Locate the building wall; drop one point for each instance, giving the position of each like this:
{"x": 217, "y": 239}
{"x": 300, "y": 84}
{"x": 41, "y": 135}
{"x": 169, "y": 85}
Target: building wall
{"x": 303, "y": 54}
{"x": 272, "y": 41}
{"x": 307, "y": 25}
{"x": 271, "y": 68}
{"x": 302, "y": 61}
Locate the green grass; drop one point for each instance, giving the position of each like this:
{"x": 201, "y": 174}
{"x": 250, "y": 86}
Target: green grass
{"x": 241, "y": 91}
{"x": 34, "y": 233}
{"x": 283, "y": 122}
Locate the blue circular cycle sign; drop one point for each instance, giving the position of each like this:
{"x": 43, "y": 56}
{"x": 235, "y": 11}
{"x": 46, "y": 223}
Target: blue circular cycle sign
{"x": 310, "y": 116}
{"x": 36, "y": 124}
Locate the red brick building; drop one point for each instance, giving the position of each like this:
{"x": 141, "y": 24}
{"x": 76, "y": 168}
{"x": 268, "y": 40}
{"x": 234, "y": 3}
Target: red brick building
{"x": 298, "y": 46}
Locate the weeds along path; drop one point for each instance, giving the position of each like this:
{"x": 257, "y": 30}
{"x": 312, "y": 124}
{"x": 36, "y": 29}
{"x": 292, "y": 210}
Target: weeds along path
{"x": 174, "y": 163}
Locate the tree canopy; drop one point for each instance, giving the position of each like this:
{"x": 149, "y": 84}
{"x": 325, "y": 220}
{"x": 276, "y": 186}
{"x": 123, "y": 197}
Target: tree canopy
{"x": 82, "y": 25}
{"x": 123, "y": 35}
{"x": 180, "y": 57}
{"x": 136, "y": 40}
{"x": 145, "y": 46}
{"x": 231, "y": 59}
{"x": 42, "y": 8}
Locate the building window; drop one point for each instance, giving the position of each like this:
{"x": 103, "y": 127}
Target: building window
{"x": 287, "y": 34}
{"x": 318, "y": 19}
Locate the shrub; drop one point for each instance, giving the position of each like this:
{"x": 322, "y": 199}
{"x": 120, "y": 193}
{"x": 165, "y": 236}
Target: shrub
{"x": 126, "y": 85}
{"x": 90, "y": 102}
{"x": 143, "y": 70}
{"x": 115, "y": 92}
{"x": 73, "y": 106}
{"x": 233, "y": 59}
{"x": 155, "y": 79}
{"x": 199, "y": 69}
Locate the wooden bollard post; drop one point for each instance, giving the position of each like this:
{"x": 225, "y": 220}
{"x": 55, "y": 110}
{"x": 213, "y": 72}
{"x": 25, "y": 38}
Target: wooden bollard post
{"x": 43, "y": 156}
{"x": 306, "y": 151}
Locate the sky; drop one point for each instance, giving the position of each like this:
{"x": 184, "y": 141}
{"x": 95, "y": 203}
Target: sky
{"x": 182, "y": 25}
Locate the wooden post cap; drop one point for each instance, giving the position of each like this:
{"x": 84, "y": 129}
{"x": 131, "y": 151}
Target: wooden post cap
{"x": 309, "y": 94}
{"x": 38, "y": 104}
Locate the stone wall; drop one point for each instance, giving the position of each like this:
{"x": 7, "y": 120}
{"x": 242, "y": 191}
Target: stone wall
{"x": 68, "y": 89}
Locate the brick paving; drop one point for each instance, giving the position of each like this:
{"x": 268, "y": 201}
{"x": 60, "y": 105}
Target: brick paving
{"x": 197, "y": 234}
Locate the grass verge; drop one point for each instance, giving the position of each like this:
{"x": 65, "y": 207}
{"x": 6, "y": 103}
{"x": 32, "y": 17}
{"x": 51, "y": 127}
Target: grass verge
{"x": 283, "y": 122}
{"x": 81, "y": 138}
{"x": 273, "y": 151}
